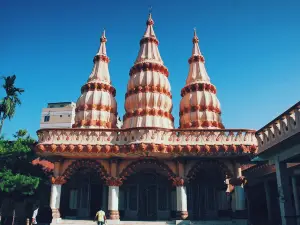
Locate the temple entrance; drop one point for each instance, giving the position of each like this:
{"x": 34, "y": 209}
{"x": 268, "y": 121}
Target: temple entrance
{"x": 147, "y": 197}
{"x": 83, "y": 195}
{"x": 206, "y": 194}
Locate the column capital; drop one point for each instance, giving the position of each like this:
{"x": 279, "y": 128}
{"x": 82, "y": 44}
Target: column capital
{"x": 113, "y": 181}
{"x": 177, "y": 181}
{"x": 58, "y": 180}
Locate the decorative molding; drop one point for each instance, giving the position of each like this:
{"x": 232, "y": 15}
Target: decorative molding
{"x": 177, "y": 181}
{"x": 284, "y": 126}
{"x": 211, "y": 142}
{"x": 58, "y": 180}
{"x": 113, "y": 181}
{"x": 103, "y": 58}
{"x": 113, "y": 214}
{"x": 98, "y": 107}
{"x": 148, "y": 88}
{"x": 200, "y": 123}
{"x": 149, "y": 39}
{"x": 195, "y": 108}
{"x": 182, "y": 215}
{"x": 149, "y": 66}
{"x": 198, "y": 87}
{"x": 79, "y": 164}
{"x": 96, "y": 86}
{"x": 148, "y": 112}
{"x": 196, "y": 58}
{"x": 131, "y": 168}
{"x": 99, "y": 123}
{"x": 207, "y": 165}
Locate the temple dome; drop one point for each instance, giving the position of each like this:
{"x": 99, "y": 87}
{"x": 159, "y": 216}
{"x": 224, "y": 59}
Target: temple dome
{"x": 199, "y": 106}
{"x": 148, "y": 101}
{"x": 96, "y": 107}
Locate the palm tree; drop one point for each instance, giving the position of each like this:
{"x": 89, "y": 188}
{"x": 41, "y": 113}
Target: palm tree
{"x": 11, "y": 100}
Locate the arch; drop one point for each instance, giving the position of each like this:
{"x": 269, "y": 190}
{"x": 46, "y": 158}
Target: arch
{"x": 132, "y": 168}
{"x": 79, "y": 164}
{"x": 207, "y": 164}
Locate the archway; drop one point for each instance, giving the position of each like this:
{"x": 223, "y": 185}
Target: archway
{"x": 84, "y": 192}
{"x": 206, "y": 191}
{"x": 146, "y": 191}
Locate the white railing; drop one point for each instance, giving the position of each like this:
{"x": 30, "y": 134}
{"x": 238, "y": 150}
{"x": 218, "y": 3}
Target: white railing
{"x": 147, "y": 136}
{"x": 284, "y": 126}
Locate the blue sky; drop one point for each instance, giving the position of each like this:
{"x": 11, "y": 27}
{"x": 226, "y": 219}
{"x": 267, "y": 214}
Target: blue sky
{"x": 251, "y": 48}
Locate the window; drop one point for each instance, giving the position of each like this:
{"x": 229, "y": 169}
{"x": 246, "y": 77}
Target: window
{"x": 46, "y": 118}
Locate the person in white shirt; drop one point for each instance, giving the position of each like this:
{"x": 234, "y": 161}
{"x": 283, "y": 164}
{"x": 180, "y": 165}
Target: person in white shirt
{"x": 35, "y": 212}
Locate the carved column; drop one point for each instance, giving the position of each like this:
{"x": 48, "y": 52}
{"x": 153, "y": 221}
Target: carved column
{"x": 239, "y": 192}
{"x": 285, "y": 200}
{"x": 55, "y": 196}
{"x": 181, "y": 199}
{"x": 113, "y": 197}
{"x": 57, "y": 181}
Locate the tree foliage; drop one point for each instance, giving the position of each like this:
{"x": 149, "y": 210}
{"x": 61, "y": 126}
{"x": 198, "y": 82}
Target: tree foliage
{"x": 18, "y": 176}
{"x": 11, "y": 100}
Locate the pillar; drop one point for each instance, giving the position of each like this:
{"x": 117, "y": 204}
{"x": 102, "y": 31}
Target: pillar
{"x": 57, "y": 182}
{"x": 55, "y": 200}
{"x": 285, "y": 202}
{"x": 268, "y": 200}
{"x": 239, "y": 192}
{"x": 296, "y": 199}
{"x": 113, "y": 197}
{"x": 181, "y": 199}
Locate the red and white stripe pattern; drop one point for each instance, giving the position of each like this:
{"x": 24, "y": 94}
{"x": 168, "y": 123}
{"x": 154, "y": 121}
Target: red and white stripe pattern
{"x": 199, "y": 106}
{"x": 97, "y": 107}
{"x": 148, "y": 100}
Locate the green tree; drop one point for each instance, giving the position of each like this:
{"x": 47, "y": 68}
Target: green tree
{"x": 11, "y": 100}
{"x": 18, "y": 176}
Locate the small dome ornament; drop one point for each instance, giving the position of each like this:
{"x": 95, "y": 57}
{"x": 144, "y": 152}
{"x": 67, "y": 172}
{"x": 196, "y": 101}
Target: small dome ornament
{"x": 150, "y": 20}
{"x": 103, "y": 38}
{"x": 195, "y": 38}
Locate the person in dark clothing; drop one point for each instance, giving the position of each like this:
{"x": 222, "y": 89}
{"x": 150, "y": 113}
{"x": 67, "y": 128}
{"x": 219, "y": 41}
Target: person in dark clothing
{"x": 44, "y": 216}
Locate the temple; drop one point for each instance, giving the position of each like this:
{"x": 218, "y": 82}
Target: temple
{"x": 142, "y": 168}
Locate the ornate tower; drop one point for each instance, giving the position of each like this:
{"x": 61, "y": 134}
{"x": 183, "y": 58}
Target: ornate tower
{"x": 148, "y": 101}
{"x": 96, "y": 107}
{"x": 199, "y": 106}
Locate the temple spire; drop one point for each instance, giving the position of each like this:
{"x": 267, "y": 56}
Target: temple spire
{"x": 97, "y": 107}
{"x": 102, "y": 48}
{"x": 148, "y": 101}
{"x": 199, "y": 106}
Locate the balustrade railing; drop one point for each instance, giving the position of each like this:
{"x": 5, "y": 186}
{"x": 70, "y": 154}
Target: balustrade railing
{"x": 121, "y": 137}
{"x": 284, "y": 126}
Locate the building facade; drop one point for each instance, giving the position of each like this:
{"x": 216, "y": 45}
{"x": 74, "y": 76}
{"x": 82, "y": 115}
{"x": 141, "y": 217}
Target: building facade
{"x": 142, "y": 168}
{"x": 58, "y": 115}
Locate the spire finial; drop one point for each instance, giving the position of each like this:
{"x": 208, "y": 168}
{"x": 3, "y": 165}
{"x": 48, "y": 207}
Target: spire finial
{"x": 150, "y": 20}
{"x": 195, "y": 38}
{"x": 103, "y": 38}
{"x": 150, "y": 9}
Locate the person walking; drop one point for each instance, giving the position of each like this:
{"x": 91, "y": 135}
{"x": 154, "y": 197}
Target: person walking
{"x": 100, "y": 217}
{"x": 35, "y": 212}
